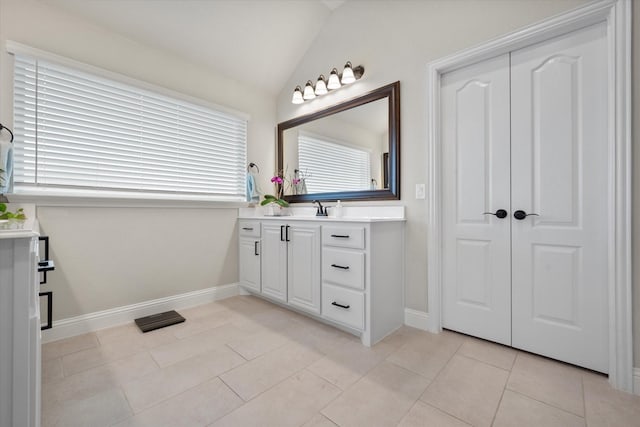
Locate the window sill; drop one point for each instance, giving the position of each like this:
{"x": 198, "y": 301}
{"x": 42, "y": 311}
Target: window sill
{"x": 80, "y": 198}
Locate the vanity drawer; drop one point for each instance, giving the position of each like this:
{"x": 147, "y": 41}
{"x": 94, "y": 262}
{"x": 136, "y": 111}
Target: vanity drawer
{"x": 343, "y": 236}
{"x": 343, "y": 305}
{"x": 343, "y": 267}
{"x": 250, "y": 228}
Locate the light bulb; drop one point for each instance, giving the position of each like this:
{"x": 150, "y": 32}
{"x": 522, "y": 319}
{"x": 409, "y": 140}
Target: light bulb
{"x": 297, "y": 96}
{"x": 347, "y": 74}
{"x": 334, "y": 80}
{"x": 321, "y": 86}
{"x": 308, "y": 91}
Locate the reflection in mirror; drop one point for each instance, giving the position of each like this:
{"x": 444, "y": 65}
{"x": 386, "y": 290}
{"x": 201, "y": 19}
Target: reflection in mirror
{"x": 349, "y": 151}
{"x": 341, "y": 152}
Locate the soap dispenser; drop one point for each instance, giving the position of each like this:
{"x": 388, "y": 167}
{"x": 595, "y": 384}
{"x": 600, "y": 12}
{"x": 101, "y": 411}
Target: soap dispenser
{"x": 338, "y": 209}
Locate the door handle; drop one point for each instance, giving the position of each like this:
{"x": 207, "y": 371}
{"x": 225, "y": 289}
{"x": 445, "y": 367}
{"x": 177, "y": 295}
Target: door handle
{"x": 500, "y": 213}
{"x": 340, "y": 266}
{"x": 282, "y": 233}
{"x": 255, "y": 247}
{"x": 287, "y": 234}
{"x": 520, "y": 215}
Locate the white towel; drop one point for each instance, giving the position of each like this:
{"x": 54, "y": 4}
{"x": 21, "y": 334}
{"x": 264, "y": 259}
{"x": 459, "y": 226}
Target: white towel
{"x": 6, "y": 165}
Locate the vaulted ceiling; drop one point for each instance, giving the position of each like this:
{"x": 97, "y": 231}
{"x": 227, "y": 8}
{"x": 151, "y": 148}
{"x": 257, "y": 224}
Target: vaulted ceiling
{"x": 256, "y": 42}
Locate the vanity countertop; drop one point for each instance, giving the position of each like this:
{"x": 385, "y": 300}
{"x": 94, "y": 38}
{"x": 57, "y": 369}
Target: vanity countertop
{"x": 350, "y": 214}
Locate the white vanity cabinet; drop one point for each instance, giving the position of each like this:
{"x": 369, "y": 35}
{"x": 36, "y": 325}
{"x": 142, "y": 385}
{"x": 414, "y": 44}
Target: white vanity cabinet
{"x": 19, "y": 327}
{"x": 249, "y": 254}
{"x": 363, "y": 276}
{"x": 346, "y": 272}
{"x": 291, "y": 263}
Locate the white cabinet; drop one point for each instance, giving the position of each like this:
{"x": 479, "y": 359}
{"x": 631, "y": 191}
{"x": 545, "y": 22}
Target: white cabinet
{"x": 274, "y": 261}
{"x": 363, "y": 277}
{"x": 249, "y": 254}
{"x": 19, "y": 332}
{"x": 347, "y": 273}
{"x": 303, "y": 266}
{"x": 291, "y": 264}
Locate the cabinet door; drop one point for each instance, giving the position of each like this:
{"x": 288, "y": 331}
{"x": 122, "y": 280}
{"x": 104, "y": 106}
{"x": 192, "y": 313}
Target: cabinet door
{"x": 250, "y": 263}
{"x": 274, "y": 261}
{"x": 304, "y": 266}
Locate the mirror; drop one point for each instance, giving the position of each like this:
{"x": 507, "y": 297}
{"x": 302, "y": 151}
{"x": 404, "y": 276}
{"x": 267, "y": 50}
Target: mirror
{"x": 350, "y": 151}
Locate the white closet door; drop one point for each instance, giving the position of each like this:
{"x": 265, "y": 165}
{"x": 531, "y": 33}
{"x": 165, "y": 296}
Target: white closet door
{"x": 560, "y": 171}
{"x": 476, "y": 246}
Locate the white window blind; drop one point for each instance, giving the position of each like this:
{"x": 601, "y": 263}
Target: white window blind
{"x": 332, "y": 165}
{"x": 77, "y": 130}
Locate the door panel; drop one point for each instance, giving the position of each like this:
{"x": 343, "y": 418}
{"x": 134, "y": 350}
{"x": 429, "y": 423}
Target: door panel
{"x": 555, "y": 146}
{"x": 560, "y": 171}
{"x": 304, "y": 267}
{"x": 274, "y": 261}
{"x": 476, "y": 248}
{"x": 250, "y": 263}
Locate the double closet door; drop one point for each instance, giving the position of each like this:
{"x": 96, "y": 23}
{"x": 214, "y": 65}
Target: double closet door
{"x": 525, "y": 214}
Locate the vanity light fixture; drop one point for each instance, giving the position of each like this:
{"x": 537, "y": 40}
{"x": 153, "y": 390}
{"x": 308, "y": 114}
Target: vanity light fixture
{"x": 308, "y": 91}
{"x": 349, "y": 75}
{"x": 334, "y": 80}
{"x": 297, "y": 96}
{"x": 321, "y": 86}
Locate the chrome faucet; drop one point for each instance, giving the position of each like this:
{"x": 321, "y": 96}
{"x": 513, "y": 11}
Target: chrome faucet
{"x": 321, "y": 211}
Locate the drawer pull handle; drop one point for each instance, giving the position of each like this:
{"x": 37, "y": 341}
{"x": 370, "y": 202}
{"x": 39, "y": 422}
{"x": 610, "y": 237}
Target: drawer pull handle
{"x": 340, "y": 305}
{"x": 340, "y": 266}
{"x": 340, "y": 236}
{"x": 247, "y": 228}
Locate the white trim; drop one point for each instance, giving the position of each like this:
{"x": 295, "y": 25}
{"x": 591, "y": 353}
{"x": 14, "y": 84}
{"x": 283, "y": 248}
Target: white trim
{"x": 78, "y": 325}
{"x": 416, "y": 319}
{"x": 617, "y": 15}
{"x": 19, "y": 48}
{"x": 636, "y": 381}
{"x": 97, "y": 200}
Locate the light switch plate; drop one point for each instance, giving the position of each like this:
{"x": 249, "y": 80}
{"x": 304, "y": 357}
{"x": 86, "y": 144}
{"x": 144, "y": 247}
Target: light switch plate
{"x": 420, "y": 191}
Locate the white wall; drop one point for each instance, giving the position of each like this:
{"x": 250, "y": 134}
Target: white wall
{"x": 395, "y": 40}
{"x": 112, "y": 256}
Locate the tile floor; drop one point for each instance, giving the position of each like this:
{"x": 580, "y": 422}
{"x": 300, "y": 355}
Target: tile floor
{"x": 245, "y": 362}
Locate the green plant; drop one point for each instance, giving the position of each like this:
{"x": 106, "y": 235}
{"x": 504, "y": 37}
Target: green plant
{"x": 5, "y": 214}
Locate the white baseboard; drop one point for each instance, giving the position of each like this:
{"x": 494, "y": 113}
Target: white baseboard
{"x": 416, "y": 319}
{"x": 636, "y": 381}
{"x": 78, "y": 325}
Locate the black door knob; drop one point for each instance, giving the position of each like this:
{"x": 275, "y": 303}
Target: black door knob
{"x": 520, "y": 215}
{"x": 500, "y": 213}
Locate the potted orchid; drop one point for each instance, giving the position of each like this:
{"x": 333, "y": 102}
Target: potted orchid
{"x": 276, "y": 201}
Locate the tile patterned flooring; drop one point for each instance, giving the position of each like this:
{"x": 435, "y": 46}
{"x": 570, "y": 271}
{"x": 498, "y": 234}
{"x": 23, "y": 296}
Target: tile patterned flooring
{"x": 245, "y": 362}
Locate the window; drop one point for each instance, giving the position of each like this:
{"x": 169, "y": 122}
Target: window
{"x": 332, "y": 165}
{"x": 78, "y": 130}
